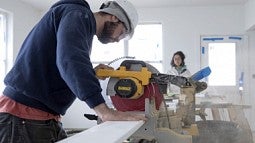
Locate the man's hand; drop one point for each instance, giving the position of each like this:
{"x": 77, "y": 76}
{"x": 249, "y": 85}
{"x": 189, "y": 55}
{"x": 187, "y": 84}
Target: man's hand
{"x": 102, "y": 66}
{"x": 107, "y": 114}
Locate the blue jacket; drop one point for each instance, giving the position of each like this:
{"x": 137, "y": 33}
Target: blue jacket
{"x": 53, "y": 66}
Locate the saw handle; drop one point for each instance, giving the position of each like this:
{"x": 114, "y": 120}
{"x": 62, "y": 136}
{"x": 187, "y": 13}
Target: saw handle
{"x": 91, "y": 116}
{"x": 128, "y": 63}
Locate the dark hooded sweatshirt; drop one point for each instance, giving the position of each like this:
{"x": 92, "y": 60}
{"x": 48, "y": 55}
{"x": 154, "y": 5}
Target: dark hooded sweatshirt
{"x": 53, "y": 66}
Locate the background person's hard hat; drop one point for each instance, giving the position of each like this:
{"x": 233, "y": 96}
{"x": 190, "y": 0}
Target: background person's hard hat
{"x": 124, "y": 11}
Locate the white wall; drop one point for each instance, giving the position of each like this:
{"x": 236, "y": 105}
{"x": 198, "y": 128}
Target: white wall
{"x": 250, "y": 27}
{"x": 249, "y": 15}
{"x": 251, "y": 75}
{"x": 184, "y": 25}
{"x": 74, "y": 116}
{"x": 24, "y": 18}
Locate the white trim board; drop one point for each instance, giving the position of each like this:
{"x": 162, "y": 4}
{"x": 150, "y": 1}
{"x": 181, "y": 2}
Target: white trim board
{"x": 108, "y": 132}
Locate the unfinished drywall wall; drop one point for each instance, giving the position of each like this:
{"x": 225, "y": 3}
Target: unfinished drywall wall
{"x": 249, "y": 15}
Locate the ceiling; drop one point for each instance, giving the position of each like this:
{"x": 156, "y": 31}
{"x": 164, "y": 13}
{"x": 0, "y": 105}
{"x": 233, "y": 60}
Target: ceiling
{"x": 95, "y": 4}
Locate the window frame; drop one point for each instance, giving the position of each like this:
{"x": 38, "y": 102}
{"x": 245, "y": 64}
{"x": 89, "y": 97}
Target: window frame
{"x": 240, "y": 41}
{"x": 8, "y": 44}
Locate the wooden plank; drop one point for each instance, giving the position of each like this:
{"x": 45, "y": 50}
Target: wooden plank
{"x": 216, "y": 114}
{"x": 237, "y": 115}
{"x": 107, "y": 132}
{"x": 221, "y": 105}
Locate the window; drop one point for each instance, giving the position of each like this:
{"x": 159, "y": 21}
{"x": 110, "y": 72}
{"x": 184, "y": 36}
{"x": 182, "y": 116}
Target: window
{"x": 104, "y": 53}
{"x": 146, "y": 45}
{"x": 5, "y": 43}
{"x": 221, "y": 54}
{"x": 222, "y": 58}
{"x": 3, "y": 48}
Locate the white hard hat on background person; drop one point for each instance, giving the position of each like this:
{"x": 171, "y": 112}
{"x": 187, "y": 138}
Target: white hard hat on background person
{"x": 124, "y": 11}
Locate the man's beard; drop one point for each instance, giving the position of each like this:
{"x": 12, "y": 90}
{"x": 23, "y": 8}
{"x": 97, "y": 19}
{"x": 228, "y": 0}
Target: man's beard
{"x": 107, "y": 32}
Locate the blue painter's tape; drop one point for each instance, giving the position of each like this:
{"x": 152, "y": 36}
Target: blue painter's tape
{"x": 212, "y": 39}
{"x": 203, "y": 50}
{"x": 235, "y": 38}
{"x": 241, "y": 79}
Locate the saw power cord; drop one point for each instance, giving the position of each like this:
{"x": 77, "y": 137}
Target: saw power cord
{"x": 153, "y": 94}
{"x": 166, "y": 110}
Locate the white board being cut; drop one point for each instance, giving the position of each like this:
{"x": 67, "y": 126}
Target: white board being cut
{"x": 107, "y": 132}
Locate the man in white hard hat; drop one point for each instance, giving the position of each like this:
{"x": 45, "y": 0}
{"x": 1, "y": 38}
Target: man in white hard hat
{"x": 53, "y": 67}
{"x": 125, "y": 12}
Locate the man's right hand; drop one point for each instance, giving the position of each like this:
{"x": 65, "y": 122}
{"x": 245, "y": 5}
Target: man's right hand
{"x": 107, "y": 114}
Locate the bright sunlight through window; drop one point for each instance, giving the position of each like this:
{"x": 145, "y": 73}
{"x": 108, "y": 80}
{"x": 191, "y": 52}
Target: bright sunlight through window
{"x": 2, "y": 50}
{"x": 222, "y": 58}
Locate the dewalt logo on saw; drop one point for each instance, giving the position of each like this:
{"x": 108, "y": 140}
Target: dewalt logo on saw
{"x": 124, "y": 88}
{"x": 128, "y": 88}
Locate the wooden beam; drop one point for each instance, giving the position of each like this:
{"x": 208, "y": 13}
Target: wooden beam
{"x": 216, "y": 114}
{"x": 221, "y": 105}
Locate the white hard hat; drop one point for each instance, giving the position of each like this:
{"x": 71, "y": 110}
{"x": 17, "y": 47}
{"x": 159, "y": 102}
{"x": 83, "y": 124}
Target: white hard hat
{"x": 124, "y": 11}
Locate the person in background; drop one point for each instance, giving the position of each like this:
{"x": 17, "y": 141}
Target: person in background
{"x": 53, "y": 68}
{"x": 179, "y": 68}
